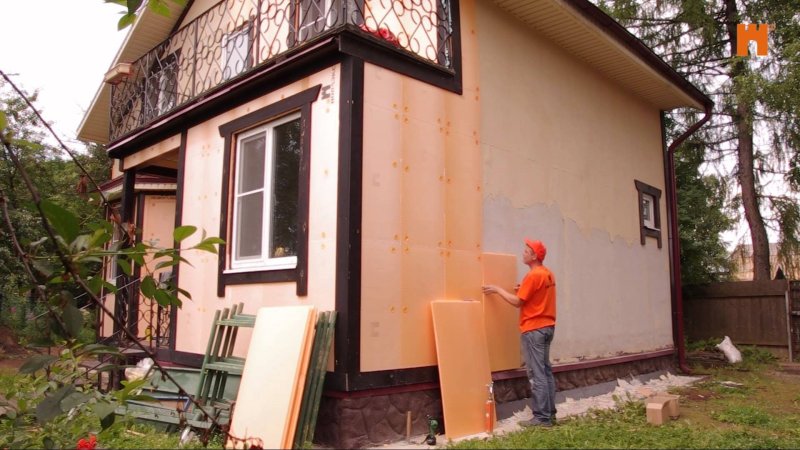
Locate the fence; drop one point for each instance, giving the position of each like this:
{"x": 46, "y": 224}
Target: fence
{"x": 750, "y": 312}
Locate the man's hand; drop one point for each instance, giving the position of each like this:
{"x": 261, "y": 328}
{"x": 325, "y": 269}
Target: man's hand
{"x": 491, "y": 289}
{"x": 510, "y": 298}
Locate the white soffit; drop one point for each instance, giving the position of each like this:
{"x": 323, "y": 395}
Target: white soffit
{"x": 569, "y": 29}
{"x": 147, "y": 31}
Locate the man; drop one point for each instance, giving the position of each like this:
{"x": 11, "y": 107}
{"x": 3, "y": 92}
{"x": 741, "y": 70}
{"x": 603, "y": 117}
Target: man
{"x": 536, "y": 300}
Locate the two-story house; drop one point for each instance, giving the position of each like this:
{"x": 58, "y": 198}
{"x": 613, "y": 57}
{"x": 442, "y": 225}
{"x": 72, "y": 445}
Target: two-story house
{"x": 364, "y": 155}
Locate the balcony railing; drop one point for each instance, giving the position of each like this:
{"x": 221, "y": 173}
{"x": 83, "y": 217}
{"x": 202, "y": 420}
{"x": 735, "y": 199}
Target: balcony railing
{"x": 236, "y": 36}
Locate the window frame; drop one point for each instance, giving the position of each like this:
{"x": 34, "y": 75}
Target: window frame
{"x": 161, "y": 86}
{"x": 299, "y": 103}
{"x": 264, "y": 261}
{"x": 246, "y": 30}
{"x": 652, "y": 227}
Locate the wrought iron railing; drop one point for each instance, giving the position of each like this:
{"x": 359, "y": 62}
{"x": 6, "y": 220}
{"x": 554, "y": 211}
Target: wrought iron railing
{"x": 236, "y": 36}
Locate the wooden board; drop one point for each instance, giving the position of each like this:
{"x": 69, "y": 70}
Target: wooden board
{"x": 502, "y": 319}
{"x": 271, "y": 376}
{"x": 463, "y": 362}
{"x": 299, "y": 386}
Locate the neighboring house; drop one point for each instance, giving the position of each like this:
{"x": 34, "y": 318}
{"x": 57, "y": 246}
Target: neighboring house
{"x": 361, "y": 155}
{"x": 780, "y": 265}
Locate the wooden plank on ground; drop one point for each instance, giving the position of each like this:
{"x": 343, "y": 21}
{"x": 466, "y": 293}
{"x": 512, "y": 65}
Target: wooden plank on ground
{"x": 270, "y": 377}
{"x": 463, "y": 361}
{"x": 299, "y": 383}
{"x": 502, "y": 319}
{"x": 315, "y": 379}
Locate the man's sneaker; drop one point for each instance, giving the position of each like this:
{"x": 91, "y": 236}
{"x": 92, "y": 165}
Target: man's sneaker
{"x": 533, "y": 423}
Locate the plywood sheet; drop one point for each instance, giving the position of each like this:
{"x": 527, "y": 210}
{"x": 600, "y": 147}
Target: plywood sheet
{"x": 300, "y": 382}
{"x": 502, "y": 330}
{"x": 271, "y": 377}
{"x": 463, "y": 365}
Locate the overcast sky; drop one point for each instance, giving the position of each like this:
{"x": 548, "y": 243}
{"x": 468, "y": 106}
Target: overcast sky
{"x": 62, "y": 48}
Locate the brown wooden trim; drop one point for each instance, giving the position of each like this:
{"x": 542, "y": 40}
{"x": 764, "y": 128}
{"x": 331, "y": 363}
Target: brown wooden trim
{"x": 374, "y": 51}
{"x": 644, "y": 188}
{"x": 133, "y": 301}
{"x": 304, "y": 198}
{"x": 173, "y": 311}
{"x": 347, "y": 339}
{"x": 227, "y": 168}
{"x": 301, "y": 101}
{"x": 127, "y": 204}
{"x": 263, "y": 276}
{"x": 270, "y": 112}
{"x": 339, "y": 381}
{"x": 187, "y": 359}
{"x": 382, "y": 391}
{"x": 160, "y": 171}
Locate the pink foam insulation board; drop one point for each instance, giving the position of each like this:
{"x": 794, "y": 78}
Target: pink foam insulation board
{"x": 273, "y": 377}
{"x": 463, "y": 361}
{"x": 502, "y": 319}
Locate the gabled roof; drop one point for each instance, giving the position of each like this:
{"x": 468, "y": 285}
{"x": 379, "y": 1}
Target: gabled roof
{"x": 576, "y": 25}
{"x": 587, "y": 32}
{"x": 149, "y": 30}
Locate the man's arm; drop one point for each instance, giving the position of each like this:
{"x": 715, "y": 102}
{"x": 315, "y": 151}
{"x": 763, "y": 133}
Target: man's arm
{"x": 510, "y": 298}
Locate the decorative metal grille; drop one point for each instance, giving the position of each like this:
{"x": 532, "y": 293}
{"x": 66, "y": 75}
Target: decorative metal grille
{"x": 236, "y": 36}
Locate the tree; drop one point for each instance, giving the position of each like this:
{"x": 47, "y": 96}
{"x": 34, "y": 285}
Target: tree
{"x": 56, "y": 409}
{"x": 58, "y": 179}
{"x": 755, "y": 123}
{"x": 701, "y": 219}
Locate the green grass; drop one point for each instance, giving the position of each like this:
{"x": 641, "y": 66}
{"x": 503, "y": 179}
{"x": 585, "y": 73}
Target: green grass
{"x": 762, "y": 413}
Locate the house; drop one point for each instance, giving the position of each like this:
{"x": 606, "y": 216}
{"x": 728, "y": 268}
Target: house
{"x": 363, "y": 156}
{"x": 781, "y": 265}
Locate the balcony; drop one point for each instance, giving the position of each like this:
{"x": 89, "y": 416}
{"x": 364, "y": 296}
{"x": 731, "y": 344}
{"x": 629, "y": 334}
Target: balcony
{"x": 235, "y": 37}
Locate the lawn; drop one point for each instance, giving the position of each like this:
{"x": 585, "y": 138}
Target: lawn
{"x": 758, "y": 407}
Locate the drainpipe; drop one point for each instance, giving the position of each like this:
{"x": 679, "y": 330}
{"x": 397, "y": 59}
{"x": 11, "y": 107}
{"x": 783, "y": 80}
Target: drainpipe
{"x": 674, "y": 238}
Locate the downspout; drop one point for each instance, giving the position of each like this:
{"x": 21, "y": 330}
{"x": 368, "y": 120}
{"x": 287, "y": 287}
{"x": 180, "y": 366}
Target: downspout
{"x": 674, "y": 238}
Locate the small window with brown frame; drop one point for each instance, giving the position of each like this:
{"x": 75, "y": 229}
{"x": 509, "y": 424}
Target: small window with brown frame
{"x": 649, "y": 199}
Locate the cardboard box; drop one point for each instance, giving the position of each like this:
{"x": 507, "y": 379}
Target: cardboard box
{"x": 662, "y": 406}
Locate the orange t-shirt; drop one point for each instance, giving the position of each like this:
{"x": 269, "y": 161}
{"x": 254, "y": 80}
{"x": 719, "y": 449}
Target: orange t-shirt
{"x": 538, "y": 294}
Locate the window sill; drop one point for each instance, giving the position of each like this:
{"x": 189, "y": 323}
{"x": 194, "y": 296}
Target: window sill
{"x": 259, "y": 276}
{"x": 261, "y": 268}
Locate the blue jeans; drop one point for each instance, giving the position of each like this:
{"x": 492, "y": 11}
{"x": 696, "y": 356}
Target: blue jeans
{"x": 536, "y": 348}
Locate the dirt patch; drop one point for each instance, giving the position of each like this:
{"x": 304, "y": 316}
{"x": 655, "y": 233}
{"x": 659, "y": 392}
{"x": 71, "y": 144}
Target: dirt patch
{"x": 9, "y": 344}
{"x": 698, "y": 395}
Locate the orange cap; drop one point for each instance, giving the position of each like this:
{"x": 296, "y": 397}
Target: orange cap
{"x": 538, "y": 248}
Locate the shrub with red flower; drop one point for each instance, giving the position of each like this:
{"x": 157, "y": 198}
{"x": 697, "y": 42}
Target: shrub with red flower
{"x": 87, "y": 444}
{"x": 383, "y": 33}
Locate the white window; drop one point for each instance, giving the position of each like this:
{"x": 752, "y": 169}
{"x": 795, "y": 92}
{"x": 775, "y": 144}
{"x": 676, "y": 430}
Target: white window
{"x": 648, "y": 212}
{"x": 162, "y": 86}
{"x": 315, "y": 17}
{"x": 264, "y": 229}
{"x": 236, "y": 49}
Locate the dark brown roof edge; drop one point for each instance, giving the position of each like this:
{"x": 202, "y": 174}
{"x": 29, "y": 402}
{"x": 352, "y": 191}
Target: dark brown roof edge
{"x": 140, "y": 178}
{"x": 635, "y": 45}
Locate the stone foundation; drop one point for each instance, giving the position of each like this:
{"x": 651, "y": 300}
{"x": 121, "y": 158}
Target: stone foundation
{"x": 368, "y": 421}
{"x": 518, "y": 388}
{"x": 360, "y": 420}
